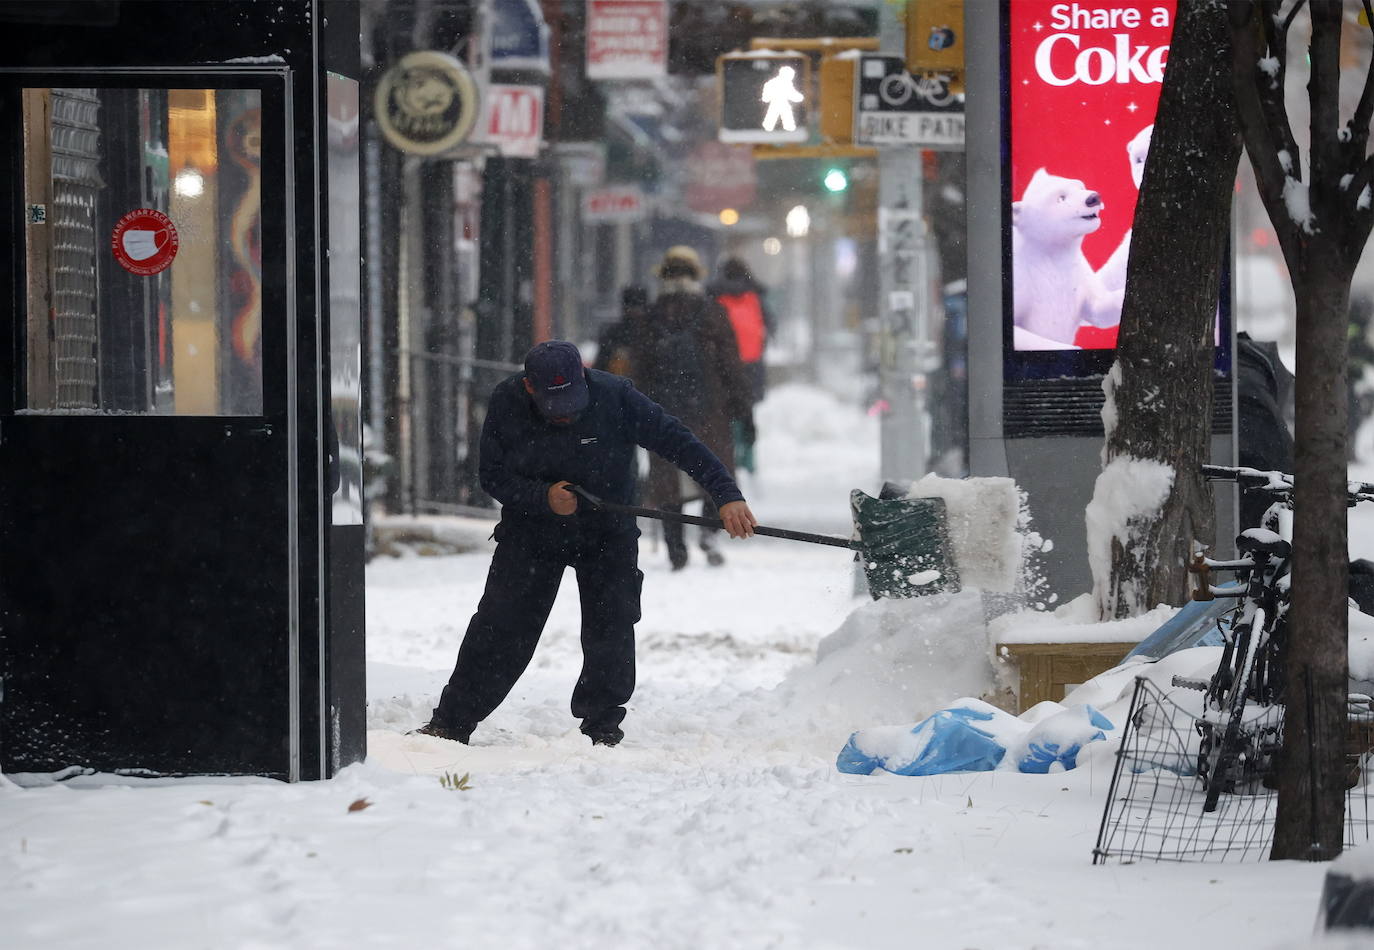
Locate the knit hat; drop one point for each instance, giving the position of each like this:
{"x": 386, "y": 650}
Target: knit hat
{"x": 680, "y": 261}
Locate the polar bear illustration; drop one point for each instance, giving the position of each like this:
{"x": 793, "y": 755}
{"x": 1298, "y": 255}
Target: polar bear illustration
{"x": 1113, "y": 273}
{"x": 1054, "y": 287}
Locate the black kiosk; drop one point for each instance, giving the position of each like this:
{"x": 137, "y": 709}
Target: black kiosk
{"x": 181, "y": 535}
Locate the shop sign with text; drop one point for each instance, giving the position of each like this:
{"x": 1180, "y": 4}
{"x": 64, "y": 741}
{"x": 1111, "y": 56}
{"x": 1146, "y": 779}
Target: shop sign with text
{"x": 627, "y": 39}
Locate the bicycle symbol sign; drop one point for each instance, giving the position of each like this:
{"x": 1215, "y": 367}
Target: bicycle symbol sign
{"x": 886, "y": 86}
{"x": 896, "y": 89}
{"x": 895, "y": 107}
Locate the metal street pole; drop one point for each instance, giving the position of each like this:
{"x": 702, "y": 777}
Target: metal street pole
{"x": 904, "y": 301}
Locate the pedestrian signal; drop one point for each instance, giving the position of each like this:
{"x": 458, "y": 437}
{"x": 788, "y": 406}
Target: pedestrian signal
{"x": 765, "y": 97}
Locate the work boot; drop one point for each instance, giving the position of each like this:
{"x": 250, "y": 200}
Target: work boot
{"x": 606, "y": 735}
{"x": 440, "y": 731}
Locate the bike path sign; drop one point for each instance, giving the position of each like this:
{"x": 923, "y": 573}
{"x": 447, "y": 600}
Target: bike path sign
{"x": 893, "y": 107}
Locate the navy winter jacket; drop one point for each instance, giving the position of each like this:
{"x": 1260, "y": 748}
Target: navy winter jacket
{"x": 522, "y": 454}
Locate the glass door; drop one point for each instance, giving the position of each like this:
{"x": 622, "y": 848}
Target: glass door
{"x": 147, "y": 533}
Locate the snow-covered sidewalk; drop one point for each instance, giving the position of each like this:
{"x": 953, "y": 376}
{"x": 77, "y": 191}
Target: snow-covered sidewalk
{"x": 720, "y": 822}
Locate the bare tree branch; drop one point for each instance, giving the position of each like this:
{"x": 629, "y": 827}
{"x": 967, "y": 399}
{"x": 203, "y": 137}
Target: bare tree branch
{"x": 1288, "y": 20}
{"x": 1251, "y": 22}
{"x": 1362, "y": 177}
{"x": 1364, "y": 112}
{"x": 1273, "y": 107}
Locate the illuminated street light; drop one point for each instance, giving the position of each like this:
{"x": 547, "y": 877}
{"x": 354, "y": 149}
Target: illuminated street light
{"x": 798, "y": 221}
{"x": 771, "y": 246}
{"x": 729, "y": 216}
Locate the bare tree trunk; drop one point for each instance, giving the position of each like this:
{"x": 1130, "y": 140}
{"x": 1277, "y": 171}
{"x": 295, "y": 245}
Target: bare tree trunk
{"x": 1163, "y": 376}
{"x": 1322, "y": 223}
{"x": 1309, "y": 821}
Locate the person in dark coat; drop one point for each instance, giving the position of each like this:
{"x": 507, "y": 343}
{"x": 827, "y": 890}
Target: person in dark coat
{"x": 554, "y": 426}
{"x": 685, "y": 358}
{"x": 613, "y": 345}
{"x": 1263, "y": 386}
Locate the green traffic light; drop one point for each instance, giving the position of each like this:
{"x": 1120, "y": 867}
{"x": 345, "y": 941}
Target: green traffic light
{"x": 835, "y": 180}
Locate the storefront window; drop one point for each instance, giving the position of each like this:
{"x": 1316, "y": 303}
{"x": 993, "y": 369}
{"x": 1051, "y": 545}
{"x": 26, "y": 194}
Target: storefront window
{"x": 144, "y": 251}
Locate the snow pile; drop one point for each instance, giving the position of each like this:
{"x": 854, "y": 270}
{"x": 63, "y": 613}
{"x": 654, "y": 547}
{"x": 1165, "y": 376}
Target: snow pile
{"x": 894, "y": 661}
{"x": 1356, "y": 863}
{"x": 983, "y": 516}
{"x": 973, "y": 736}
{"x": 1129, "y": 490}
{"x": 1076, "y": 622}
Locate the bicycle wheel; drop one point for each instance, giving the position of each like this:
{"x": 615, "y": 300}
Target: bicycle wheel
{"x": 1224, "y": 764}
{"x": 894, "y": 89}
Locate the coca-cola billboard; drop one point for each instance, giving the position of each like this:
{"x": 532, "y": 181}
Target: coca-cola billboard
{"x": 1083, "y": 84}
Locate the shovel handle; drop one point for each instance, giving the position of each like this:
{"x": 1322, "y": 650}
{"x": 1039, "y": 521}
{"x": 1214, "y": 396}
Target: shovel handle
{"x": 661, "y": 515}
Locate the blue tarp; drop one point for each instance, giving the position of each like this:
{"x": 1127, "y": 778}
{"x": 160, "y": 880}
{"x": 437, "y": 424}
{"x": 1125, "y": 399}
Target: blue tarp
{"x": 973, "y": 736}
{"x": 949, "y": 741}
{"x": 1195, "y": 625}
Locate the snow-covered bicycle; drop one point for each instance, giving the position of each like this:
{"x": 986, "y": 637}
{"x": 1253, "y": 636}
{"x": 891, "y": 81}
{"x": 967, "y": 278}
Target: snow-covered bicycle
{"x": 1235, "y": 755}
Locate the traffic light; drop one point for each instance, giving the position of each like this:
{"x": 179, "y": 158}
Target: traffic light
{"x": 935, "y": 40}
{"x": 837, "y": 99}
{"x": 835, "y": 180}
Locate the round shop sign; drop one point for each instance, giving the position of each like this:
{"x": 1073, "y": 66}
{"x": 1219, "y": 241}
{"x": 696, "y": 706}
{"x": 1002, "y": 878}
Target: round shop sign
{"x": 144, "y": 242}
{"x": 426, "y": 103}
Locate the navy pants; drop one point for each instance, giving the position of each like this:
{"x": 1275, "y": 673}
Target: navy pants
{"x": 521, "y": 586}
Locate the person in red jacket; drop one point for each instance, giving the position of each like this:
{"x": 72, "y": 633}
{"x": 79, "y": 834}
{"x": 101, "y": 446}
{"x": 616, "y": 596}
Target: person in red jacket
{"x": 743, "y": 299}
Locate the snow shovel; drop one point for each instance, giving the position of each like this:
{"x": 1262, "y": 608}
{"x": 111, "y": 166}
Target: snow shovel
{"x": 903, "y": 543}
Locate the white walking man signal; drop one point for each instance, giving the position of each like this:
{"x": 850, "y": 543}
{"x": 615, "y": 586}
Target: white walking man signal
{"x": 779, "y": 93}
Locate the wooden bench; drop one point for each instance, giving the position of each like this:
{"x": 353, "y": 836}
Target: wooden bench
{"x": 1046, "y": 669}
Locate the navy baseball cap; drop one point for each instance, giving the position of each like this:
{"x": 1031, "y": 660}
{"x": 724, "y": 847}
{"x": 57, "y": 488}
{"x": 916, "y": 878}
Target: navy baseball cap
{"x": 554, "y": 370}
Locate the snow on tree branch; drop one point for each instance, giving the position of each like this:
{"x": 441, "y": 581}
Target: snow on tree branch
{"x": 1298, "y": 202}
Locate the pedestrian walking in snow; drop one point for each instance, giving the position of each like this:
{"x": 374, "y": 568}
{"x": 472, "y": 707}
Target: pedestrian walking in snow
{"x": 556, "y": 425}
{"x": 613, "y": 344}
{"x": 685, "y": 358}
{"x": 745, "y": 303}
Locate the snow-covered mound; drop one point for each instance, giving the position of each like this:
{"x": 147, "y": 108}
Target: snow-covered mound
{"x": 892, "y": 662}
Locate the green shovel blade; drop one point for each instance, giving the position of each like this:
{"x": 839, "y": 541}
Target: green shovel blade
{"x": 906, "y": 550}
